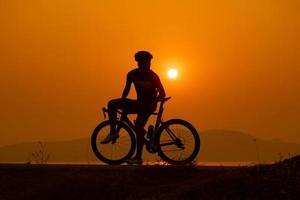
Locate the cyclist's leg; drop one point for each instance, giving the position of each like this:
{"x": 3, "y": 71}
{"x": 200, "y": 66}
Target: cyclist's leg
{"x": 140, "y": 123}
{"x": 127, "y": 105}
{"x": 144, "y": 113}
{"x": 113, "y": 105}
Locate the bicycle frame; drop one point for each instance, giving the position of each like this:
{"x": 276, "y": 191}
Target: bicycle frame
{"x": 165, "y": 133}
{"x": 159, "y": 122}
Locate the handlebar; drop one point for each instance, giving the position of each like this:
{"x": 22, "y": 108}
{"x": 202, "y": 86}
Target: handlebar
{"x": 164, "y": 99}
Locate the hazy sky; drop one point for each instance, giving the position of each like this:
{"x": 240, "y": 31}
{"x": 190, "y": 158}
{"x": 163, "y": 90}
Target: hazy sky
{"x": 62, "y": 60}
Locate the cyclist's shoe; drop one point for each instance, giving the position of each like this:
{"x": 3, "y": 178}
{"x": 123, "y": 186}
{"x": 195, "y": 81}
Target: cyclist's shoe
{"x": 134, "y": 161}
{"x": 110, "y": 137}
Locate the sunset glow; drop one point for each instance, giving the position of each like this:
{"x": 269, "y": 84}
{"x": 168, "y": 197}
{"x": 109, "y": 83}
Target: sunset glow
{"x": 172, "y": 73}
{"x": 235, "y": 64}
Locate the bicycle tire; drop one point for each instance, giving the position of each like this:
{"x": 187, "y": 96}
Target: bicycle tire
{"x": 191, "y": 130}
{"x": 96, "y": 144}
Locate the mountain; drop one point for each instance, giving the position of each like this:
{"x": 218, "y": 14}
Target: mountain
{"x": 216, "y": 146}
{"x": 224, "y": 145}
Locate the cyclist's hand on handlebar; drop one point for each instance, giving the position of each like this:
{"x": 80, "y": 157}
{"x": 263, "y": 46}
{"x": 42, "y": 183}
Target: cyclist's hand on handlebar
{"x": 160, "y": 98}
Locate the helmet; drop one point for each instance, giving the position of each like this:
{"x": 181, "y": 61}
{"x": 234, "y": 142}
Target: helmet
{"x": 142, "y": 55}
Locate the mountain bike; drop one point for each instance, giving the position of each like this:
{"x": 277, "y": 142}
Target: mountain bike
{"x": 176, "y": 141}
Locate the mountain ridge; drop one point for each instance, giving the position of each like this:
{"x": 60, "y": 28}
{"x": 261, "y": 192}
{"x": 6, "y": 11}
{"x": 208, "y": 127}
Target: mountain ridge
{"x": 217, "y": 145}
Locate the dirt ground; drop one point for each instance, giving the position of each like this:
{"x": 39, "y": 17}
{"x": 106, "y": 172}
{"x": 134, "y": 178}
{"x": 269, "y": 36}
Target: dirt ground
{"x": 21, "y": 181}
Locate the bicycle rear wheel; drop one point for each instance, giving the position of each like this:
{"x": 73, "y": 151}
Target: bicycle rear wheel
{"x": 113, "y": 153}
{"x": 178, "y": 142}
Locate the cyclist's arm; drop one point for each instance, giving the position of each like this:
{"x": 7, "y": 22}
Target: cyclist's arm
{"x": 127, "y": 87}
{"x": 160, "y": 89}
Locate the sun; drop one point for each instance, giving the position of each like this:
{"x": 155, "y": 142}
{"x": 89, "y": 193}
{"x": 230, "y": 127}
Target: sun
{"x": 172, "y": 73}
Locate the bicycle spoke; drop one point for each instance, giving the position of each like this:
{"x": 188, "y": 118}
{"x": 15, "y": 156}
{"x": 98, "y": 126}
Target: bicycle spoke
{"x": 177, "y": 142}
{"x": 172, "y": 150}
{"x": 116, "y": 150}
{"x": 167, "y": 144}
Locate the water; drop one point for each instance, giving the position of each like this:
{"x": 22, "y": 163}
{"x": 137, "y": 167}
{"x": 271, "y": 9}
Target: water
{"x": 214, "y": 163}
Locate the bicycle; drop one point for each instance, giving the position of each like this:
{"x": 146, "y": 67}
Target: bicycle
{"x": 171, "y": 139}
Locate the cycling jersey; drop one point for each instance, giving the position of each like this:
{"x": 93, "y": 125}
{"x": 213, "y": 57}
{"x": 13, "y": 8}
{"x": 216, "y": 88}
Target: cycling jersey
{"x": 146, "y": 83}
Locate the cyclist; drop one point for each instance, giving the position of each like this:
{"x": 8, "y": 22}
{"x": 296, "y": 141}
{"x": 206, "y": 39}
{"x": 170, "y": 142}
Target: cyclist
{"x": 149, "y": 90}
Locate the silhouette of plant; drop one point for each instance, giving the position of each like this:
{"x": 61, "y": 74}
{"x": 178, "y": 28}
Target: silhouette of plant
{"x": 39, "y": 156}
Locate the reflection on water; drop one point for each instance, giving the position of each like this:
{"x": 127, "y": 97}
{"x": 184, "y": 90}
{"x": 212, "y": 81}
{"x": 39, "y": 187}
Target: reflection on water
{"x": 245, "y": 163}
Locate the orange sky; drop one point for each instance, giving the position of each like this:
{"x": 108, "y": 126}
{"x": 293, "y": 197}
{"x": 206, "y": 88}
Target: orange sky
{"x": 62, "y": 60}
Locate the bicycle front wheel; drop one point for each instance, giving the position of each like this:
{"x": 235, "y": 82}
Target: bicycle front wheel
{"x": 113, "y": 152}
{"x": 178, "y": 142}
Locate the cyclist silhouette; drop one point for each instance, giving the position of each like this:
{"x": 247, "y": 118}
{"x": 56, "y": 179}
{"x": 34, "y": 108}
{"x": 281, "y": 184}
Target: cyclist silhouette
{"x": 149, "y": 90}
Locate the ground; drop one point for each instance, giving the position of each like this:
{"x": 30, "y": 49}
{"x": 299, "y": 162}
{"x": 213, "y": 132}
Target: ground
{"x": 277, "y": 181}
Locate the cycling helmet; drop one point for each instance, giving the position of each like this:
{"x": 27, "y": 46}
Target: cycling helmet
{"x": 142, "y": 55}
